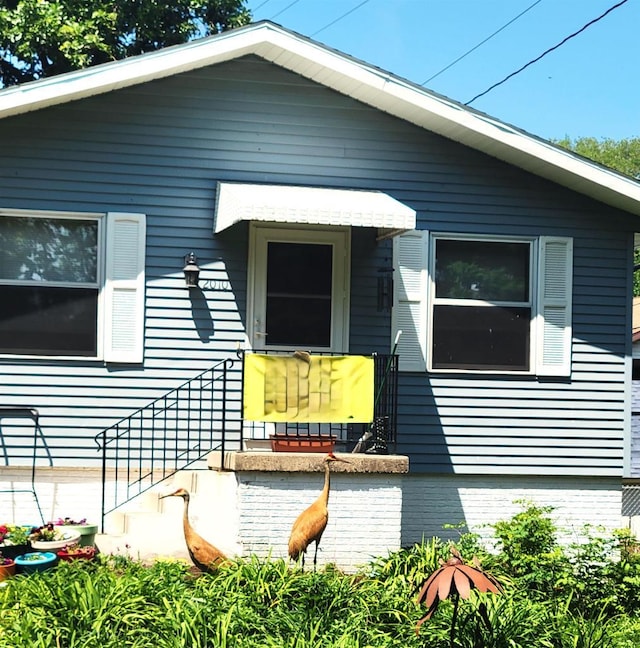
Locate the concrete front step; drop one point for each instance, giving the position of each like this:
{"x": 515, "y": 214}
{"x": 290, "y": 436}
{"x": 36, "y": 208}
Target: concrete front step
{"x": 144, "y": 535}
{"x": 148, "y": 527}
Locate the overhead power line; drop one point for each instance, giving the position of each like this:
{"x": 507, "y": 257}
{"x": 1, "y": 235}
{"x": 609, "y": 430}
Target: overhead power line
{"x": 344, "y": 15}
{"x": 333, "y": 22}
{"x": 473, "y": 49}
{"x": 261, "y": 5}
{"x": 283, "y": 10}
{"x": 535, "y": 60}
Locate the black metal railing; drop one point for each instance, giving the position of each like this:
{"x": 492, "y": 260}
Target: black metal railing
{"x": 204, "y": 415}
{"x": 168, "y": 435}
{"x": 378, "y": 437}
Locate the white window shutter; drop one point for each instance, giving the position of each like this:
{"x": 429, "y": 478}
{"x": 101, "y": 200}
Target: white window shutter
{"x": 124, "y": 288}
{"x": 409, "y": 313}
{"x": 554, "y": 332}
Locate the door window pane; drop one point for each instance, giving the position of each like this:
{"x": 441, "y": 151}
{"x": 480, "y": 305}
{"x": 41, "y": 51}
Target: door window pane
{"x": 299, "y": 281}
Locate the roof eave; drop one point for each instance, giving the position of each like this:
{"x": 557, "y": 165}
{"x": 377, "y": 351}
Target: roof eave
{"x": 348, "y": 76}
{"x": 100, "y": 79}
{"x": 454, "y": 121}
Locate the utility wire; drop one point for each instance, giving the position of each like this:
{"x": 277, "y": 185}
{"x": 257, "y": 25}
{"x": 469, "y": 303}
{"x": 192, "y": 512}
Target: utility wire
{"x": 333, "y": 22}
{"x": 473, "y": 49}
{"x": 262, "y": 4}
{"x": 535, "y": 60}
{"x": 283, "y": 10}
{"x": 344, "y": 15}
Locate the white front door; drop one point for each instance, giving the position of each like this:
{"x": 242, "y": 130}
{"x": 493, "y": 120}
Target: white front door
{"x": 298, "y": 288}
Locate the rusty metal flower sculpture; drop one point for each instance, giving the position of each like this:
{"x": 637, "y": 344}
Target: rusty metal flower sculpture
{"x": 453, "y": 579}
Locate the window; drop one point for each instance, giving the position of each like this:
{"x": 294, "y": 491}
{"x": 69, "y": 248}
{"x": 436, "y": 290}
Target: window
{"x": 482, "y": 310}
{"x": 70, "y": 285}
{"x": 481, "y": 304}
{"x": 298, "y": 288}
{"x": 49, "y": 290}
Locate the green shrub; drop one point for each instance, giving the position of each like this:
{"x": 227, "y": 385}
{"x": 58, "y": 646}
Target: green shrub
{"x": 529, "y": 553}
{"x": 582, "y": 595}
{"x": 528, "y": 534}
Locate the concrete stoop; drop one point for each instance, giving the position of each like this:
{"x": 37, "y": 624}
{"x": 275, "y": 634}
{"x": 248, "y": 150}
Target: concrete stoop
{"x": 149, "y": 528}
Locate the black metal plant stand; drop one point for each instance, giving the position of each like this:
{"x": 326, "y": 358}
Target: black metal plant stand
{"x": 32, "y": 413}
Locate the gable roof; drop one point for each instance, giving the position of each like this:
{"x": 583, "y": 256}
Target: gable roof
{"x": 349, "y": 76}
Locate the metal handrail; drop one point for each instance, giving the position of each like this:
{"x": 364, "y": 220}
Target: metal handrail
{"x": 167, "y": 435}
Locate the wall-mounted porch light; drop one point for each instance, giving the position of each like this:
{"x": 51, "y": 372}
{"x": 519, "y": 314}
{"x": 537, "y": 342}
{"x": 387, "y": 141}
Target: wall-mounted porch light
{"x": 191, "y": 270}
{"x": 385, "y": 289}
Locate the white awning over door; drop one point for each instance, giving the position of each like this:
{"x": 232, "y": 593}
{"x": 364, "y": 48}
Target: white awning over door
{"x": 237, "y": 202}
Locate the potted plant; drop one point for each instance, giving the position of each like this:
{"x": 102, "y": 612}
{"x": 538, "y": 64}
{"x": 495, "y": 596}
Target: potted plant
{"x": 14, "y": 539}
{"x": 7, "y": 567}
{"x": 86, "y": 530}
{"x": 76, "y": 551}
{"x": 51, "y": 538}
{"x": 35, "y": 561}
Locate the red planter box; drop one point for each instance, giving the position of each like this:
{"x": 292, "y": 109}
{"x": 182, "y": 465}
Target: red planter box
{"x": 281, "y": 443}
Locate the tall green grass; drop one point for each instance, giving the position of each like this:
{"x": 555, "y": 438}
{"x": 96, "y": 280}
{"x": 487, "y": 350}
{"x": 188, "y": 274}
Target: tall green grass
{"x": 574, "y": 597}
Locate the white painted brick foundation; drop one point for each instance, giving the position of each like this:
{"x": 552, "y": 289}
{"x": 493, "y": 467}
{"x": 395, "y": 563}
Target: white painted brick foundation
{"x": 429, "y": 502}
{"x": 364, "y": 514}
{"x": 251, "y": 512}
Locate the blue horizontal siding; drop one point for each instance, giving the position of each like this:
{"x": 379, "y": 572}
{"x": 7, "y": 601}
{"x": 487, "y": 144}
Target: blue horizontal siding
{"x": 160, "y": 148}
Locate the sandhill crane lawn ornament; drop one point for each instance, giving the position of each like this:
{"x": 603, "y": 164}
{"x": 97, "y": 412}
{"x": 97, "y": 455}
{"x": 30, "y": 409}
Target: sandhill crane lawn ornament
{"x": 204, "y": 555}
{"x": 311, "y": 523}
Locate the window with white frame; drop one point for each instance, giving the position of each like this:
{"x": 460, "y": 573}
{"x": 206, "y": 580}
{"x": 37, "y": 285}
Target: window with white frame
{"x": 72, "y": 285}
{"x": 483, "y": 304}
{"x": 481, "y": 310}
{"x": 49, "y": 291}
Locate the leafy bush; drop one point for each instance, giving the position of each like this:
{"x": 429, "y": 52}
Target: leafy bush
{"x": 595, "y": 575}
{"x": 585, "y": 595}
{"x": 528, "y": 551}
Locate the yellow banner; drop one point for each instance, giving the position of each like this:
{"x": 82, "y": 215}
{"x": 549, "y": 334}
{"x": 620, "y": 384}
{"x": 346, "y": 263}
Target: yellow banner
{"x": 308, "y": 389}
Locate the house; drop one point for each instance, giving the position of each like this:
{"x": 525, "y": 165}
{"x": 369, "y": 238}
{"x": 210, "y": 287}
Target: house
{"x": 311, "y": 184}
{"x": 631, "y": 485}
{"x": 635, "y": 394}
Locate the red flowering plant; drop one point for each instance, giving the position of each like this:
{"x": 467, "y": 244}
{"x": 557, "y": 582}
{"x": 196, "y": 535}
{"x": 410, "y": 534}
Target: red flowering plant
{"x": 14, "y": 534}
{"x": 67, "y": 521}
{"x": 76, "y": 550}
{"x": 45, "y": 533}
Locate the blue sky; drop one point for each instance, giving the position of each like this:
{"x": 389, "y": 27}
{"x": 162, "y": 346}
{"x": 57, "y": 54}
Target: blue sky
{"x": 588, "y": 87}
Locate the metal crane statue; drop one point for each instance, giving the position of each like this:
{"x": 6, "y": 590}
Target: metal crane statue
{"x": 311, "y": 523}
{"x": 204, "y": 555}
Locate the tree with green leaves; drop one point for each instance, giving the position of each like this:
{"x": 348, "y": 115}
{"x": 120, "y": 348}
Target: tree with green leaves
{"x": 43, "y": 38}
{"x": 622, "y": 156}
